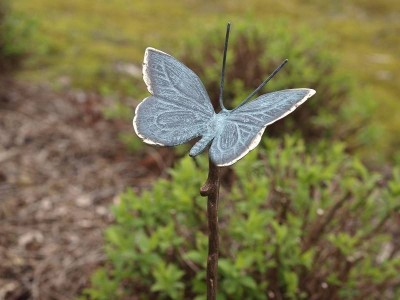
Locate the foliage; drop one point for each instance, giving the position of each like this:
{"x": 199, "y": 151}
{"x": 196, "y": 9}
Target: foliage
{"x": 15, "y": 30}
{"x": 294, "y": 224}
{"x": 334, "y": 112}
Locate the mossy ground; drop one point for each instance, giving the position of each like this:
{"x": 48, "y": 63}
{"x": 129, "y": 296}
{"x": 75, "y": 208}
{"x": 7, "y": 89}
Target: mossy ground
{"x": 81, "y": 40}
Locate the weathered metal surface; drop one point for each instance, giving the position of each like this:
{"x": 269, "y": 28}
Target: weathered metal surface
{"x": 180, "y": 110}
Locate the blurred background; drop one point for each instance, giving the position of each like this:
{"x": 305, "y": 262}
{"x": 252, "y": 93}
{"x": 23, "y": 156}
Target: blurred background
{"x": 88, "y": 211}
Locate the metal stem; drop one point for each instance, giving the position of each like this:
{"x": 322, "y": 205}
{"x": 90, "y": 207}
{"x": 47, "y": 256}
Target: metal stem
{"x": 211, "y": 190}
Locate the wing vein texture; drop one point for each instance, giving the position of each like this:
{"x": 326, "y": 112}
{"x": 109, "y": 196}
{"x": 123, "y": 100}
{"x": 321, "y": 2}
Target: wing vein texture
{"x": 179, "y": 108}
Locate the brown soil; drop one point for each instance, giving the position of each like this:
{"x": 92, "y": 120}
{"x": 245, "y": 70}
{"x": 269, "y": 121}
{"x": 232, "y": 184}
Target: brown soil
{"x": 61, "y": 166}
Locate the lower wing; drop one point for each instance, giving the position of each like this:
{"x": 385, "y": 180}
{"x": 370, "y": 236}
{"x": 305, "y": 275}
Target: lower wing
{"x": 164, "y": 123}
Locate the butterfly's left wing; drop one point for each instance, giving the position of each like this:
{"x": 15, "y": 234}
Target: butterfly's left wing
{"x": 179, "y": 108}
{"x": 245, "y": 125}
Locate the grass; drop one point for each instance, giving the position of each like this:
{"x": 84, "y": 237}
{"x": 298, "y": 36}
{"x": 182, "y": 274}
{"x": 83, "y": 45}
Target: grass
{"x": 82, "y": 40}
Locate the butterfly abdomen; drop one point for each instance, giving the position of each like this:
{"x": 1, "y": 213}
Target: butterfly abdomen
{"x": 202, "y": 144}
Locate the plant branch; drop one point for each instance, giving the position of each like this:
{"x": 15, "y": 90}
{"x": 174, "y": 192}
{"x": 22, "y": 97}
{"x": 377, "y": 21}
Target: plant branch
{"x": 211, "y": 190}
{"x": 318, "y": 229}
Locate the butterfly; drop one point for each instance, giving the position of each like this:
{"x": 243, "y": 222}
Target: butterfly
{"x": 179, "y": 110}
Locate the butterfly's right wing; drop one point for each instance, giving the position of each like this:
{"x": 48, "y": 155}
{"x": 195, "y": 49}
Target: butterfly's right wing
{"x": 179, "y": 108}
{"x": 245, "y": 125}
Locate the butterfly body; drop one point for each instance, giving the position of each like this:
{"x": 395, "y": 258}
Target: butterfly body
{"x": 213, "y": 129}
{"x": 180, "y": 110}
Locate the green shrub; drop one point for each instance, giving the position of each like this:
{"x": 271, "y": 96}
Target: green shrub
{"x": 293, "y": 225}
{"x": 15, "y": 30}
{"x": 340, "y": 109}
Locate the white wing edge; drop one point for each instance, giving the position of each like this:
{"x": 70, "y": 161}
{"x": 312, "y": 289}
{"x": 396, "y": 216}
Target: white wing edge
{"x": 310, "y": 94}
{"x": 257, "y": 138}
{"x": 146, "y": 78}
{"x": 146, "y": 140}
{"x": 147, "y": 81}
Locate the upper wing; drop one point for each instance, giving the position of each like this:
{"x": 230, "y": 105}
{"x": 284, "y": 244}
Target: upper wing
{"x": 245, "y": 125}
{"x": 179, "y": 109}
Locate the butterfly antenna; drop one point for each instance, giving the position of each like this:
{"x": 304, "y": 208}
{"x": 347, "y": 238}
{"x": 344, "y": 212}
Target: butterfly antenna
{"x": 262, "y": 84}
{"x": 221, "y": 91}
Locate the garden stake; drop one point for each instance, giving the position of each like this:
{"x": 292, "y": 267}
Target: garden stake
{"x": 211, "y": 190}
{"x": 180, "y": 110}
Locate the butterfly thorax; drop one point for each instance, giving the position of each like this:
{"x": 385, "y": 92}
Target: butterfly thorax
{"x": 213, "y": 128}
